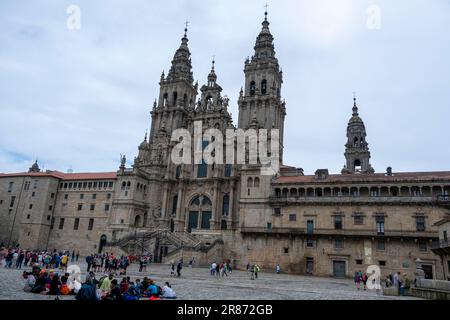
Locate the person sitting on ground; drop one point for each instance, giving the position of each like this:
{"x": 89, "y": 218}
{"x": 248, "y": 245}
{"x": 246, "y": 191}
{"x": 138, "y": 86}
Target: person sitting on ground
{"x": 124, "y": 285}
{"x": 168, "y": 292}
{"x": 138, "y": 286}
{"x": 152, "y": 289}
{"x": 30, "y": 281}
{"x": 105, "y": 285}
{"x": 55, "y": 285}
{"x": 132, "y": 293}
{"x": 87, "y": 291}
{"x": 114, "y": 293}
{"x": 39, "y": 286}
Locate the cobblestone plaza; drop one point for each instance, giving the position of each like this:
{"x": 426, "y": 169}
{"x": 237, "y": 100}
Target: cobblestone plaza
{"x": 197, "y": 284}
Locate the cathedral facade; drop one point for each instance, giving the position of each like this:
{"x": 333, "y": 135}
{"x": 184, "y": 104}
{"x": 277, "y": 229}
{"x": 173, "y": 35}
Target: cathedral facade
{"x": 321, "y": 224}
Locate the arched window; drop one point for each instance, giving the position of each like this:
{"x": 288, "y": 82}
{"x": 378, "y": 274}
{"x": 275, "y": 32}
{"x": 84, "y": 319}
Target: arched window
{"x": 175, "y": 97}
{"x": 256, "y": 182}
{"x": 199, "y": 214}
{"x": 357, "y": 165}
{"x": 178, "y": 172}
{"x": 355, "y": 141}
{"x": 252, "y": 88}
{"x": 226, "y": 205}
{"x": 174, "y": 205}
{"x": 124, "y": 184}
{"x": 264, "y": 86}
{"x": 128, "y": 184}
{"x": 185, "y": 100}
{"x": 165, "y": 98}
{"x": 250, "y": 182}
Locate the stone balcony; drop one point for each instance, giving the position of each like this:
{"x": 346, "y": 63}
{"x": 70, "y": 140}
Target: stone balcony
{"x": 407, "y": 200}
{"x": 341, "y": 232}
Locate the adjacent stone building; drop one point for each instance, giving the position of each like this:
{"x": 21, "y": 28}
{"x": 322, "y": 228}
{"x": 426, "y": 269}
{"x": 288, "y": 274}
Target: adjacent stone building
{"x": 321, "y": 224}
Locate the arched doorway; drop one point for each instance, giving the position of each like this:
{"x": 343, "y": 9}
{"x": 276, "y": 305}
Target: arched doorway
{"x": 137, "y": 221}
{"x": 103, "y": 239}
{"x": 200, "y": 212}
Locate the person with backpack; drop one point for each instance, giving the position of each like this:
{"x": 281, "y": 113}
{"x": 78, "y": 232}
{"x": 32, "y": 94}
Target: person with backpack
{"x": 364, "y": 280}
{"x": 87, "y": 291}
{"x": 256, "y": 270}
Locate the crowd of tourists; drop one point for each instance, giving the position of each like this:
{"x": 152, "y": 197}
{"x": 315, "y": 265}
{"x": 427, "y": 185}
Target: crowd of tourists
{"x": 18, "y": 258}
{"x": 403, "y": 283}
{"x": 49, "y": 282}
{"x": 221, "y": 269}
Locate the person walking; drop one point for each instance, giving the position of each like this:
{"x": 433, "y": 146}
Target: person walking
{"x": 256, "y": 270}
{"x": 179, "y": 267}
{"x": 277, "y": 269}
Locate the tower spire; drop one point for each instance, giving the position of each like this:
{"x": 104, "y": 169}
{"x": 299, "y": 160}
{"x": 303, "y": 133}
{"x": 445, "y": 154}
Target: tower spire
{"x": 355, "y": 107}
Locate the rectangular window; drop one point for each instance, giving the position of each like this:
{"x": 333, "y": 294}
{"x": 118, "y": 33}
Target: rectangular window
{"x": 94, "y": 184}
{"x": 309, "y": 226}
{"x": 28, "y": 216}
{"x": 33, "y": 194}
{"x": 52, "y": 195}
{"x": 13, "y": 199}
{"x": 94, "y": 196}
{"x": 70, "y": 185}
{"x": 1, "y": 201}
{"x": 277, "y": 211}
{"x": 338, "y": 222}
{"x": 61, "y": 223}
{"x": 91, "y": 224}
{"x": 84, "y": 185}
{"x": 65, "y": 185}
{"x": 92, "y": 208}
{"x": 338, "y": 243}
{"x": 381, "y": 245}
{"x": 111, "y": 184}
{"x": 80, "y": 206}
{"x": 292, "y": 217}
{"x": 106, "y": 206}
{"x": 358, "y": 219}
{"x": 202, "y": 169}
{"x": 108, "y": 196}
{"x": 10, "y": 186}
{"x": 382, "y": 263}
{"x": 359, "y": 261}
{"x": 310, "y": 243}
{"x": 228, "y": 170}
{"x": 380, "y": 224}
{"x": 35, "y": 184}
{"x": 420, "y": 223}
{"x": 50, "y": 208}
{"x": 52, "y": 223}
{"x": 423, "y": 246}
{"x": 81, "y": 196}
{"x": 286, "y": 250}
{"x": 80, "y": 185}
{"x": 76, "y": 224}
{"x": 66, "y": 196}
{"x": 27, "y": 186}
{"x": 269, "y": 226}
{"x": 89, "y": 185}
{"x": 30, "y": 206}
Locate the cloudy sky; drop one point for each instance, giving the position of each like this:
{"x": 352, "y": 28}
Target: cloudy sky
{"x": 76, "y": 99}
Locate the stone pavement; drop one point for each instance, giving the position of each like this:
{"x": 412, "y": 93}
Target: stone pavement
{"x": 196, "y": 283}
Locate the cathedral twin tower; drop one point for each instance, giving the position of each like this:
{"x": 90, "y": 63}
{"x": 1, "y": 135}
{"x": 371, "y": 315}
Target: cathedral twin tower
{"x": 260, "y": 103}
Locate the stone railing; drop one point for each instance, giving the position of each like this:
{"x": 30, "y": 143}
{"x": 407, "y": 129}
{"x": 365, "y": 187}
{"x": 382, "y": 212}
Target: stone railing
{"x": 432, "y": 289}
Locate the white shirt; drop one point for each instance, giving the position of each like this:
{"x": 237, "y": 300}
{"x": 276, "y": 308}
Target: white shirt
{"x": 168, "y": 292}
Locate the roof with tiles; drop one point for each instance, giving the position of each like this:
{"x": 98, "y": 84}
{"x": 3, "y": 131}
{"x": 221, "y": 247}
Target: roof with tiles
{"x": 64, "y": 176}
{"x": 364, "y": 178}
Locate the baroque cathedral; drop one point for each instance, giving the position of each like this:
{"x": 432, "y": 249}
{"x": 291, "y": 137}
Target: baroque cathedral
{"x": 321, "y": 224}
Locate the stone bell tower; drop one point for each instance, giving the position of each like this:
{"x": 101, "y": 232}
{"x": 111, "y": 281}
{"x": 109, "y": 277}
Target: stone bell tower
{"x": 260, "y": 100}
{"x": 357, "y": 153}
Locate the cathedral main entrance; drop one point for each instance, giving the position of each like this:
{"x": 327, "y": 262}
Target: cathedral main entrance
{"x": 200, "y": 213}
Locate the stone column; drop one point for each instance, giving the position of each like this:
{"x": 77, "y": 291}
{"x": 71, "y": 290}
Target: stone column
{"x": 177, "y": 218}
